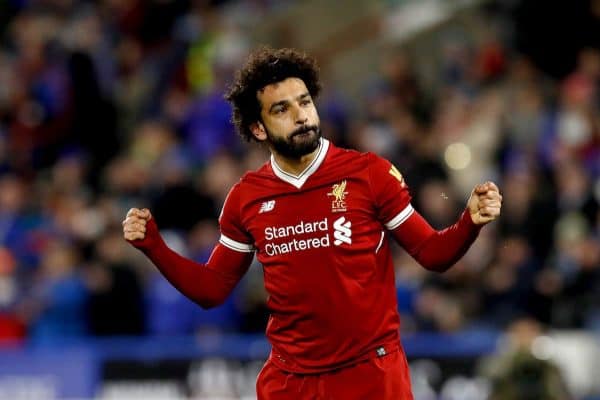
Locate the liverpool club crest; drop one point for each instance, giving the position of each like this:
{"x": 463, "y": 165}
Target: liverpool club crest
{"x": 338, "y": 204}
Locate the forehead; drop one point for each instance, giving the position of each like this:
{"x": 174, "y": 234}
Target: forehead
{"x": 287, "y": 89}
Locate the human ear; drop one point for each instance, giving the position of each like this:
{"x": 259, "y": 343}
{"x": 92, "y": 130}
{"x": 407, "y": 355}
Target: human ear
{"x": 259, "y": 131}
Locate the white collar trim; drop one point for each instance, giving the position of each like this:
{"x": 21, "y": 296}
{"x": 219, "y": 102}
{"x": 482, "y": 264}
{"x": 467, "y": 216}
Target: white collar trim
{"x": 298, "y": 180}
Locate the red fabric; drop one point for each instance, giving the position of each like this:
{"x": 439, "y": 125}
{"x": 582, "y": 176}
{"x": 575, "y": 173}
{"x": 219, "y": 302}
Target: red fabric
{"x": 327, "y": 264}
{"x": 207, "y": 284}
{"x": 389, "y": 192}
{"x": 381, "y": 378}
{"x": 11, "y": 328}
{"x": 436, "y": 250}
{"x": 326, "y": 259}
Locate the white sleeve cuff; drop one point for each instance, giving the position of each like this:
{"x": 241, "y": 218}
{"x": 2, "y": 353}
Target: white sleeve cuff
{"x": 237, "y": 246}
{"x": 400, "y": 218}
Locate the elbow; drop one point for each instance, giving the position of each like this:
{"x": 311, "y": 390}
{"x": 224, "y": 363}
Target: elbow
{"x": 439, "y": 268}
{"x": 211, "y": 294}
{"x": 207, "y": 304}
{"x": 212, "y": 301}
{"x": 434, "y": 262}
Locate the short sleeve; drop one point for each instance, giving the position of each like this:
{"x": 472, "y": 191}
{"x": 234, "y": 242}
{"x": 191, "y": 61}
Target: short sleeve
{"x": 233, "y": 234}
{"x": 390, "y": 192}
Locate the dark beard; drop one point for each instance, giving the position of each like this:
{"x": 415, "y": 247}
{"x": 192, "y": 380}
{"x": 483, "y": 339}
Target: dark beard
{"x": 294, "y": 147}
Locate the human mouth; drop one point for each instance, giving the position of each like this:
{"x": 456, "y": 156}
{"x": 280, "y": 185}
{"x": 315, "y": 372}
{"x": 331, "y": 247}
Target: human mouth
{"x": 303, "y": 133}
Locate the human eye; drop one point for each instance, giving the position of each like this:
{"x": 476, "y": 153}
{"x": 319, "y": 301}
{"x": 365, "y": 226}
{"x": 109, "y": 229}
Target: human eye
{"x": 279, "y": 110}
{"x": 306, "y": 101}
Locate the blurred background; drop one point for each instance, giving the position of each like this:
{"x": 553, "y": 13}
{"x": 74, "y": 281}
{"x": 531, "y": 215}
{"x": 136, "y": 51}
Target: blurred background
{"x": 112, "y": 104}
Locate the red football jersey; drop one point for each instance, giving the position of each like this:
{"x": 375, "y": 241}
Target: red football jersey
{"x": 320, "y": 237}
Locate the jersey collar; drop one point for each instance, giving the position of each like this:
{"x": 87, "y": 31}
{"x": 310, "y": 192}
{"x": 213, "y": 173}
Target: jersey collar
{"x": 298, "y": 180}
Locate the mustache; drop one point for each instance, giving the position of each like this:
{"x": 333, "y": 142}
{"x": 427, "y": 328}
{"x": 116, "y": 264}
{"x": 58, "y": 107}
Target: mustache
{"x": 304, "y": 129}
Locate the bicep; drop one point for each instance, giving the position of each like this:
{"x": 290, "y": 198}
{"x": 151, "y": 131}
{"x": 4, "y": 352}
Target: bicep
{"x": 413, "y": 232}
{"x": 231, "y": 264}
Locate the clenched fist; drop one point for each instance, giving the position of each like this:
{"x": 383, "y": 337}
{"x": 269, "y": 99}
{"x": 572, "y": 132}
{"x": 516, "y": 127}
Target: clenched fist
{"x": 485, "y": 203}
{"x": 135, "y": 224}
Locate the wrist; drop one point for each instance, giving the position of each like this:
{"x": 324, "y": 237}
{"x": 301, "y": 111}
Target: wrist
{"x": 152, "y": 241}
{"x": 470, "y": 220}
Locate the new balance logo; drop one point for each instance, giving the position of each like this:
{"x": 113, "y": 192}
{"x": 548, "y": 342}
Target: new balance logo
{"x": 342, "y": 232}
{"x": 267, "y": 206}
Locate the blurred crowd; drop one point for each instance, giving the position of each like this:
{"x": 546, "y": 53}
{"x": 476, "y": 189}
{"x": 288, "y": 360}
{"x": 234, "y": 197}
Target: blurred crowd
{"x": 113, "y": 104}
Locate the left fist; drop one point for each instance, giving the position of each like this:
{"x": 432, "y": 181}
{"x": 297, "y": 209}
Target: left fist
{"x": 485, "y": 203}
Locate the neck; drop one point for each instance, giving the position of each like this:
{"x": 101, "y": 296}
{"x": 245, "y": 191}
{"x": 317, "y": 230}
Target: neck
{"x": 295, "y": 166}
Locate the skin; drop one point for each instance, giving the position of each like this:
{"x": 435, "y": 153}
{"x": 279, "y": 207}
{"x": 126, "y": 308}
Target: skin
{"x": 287, "y": 106}
{"x": 134, "y": 224}
{"x": 485, "y": 203}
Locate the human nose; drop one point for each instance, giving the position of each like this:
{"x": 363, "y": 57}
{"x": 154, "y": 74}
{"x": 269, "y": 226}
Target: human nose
{"x": 301, "y": 116}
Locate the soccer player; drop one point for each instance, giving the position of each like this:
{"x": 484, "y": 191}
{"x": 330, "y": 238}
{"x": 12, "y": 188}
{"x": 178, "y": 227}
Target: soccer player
{"x": 319, "y": 219}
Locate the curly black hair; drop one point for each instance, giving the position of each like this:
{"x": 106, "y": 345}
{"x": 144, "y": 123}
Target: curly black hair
{"x": 263, "y": 67}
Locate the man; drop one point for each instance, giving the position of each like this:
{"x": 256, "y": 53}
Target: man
{"x": 316, "y": 217}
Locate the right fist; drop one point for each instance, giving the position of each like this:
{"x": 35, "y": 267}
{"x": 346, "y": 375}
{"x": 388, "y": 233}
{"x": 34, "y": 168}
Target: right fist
{"x": 134, "y": 225}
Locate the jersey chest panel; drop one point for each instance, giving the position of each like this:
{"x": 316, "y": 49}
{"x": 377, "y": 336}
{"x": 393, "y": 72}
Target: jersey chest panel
{"x": 331, "y": 220}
